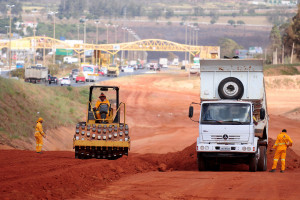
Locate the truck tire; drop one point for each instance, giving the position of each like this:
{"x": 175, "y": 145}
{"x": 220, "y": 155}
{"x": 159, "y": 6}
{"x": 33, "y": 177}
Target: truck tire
{"x": 262, "y": 160}
{"x": 252, "y": 163}
{"x": 201, "y": 162}
{"x": 231, "y": 88}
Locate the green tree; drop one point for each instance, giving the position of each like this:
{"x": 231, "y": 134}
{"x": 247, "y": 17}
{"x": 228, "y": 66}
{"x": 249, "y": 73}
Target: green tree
{"x": 198, "y": 11}
{"x": 292, "y": 34}
{"x": 231, "y": 22}
{"x": 275, "y": 38}
{"x": 228, "y": 47}
{"x": 169, "y": 13}
{"x": 240, "y": 22}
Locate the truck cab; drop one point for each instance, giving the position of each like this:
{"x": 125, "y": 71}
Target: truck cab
{"x": 233, "y": 123}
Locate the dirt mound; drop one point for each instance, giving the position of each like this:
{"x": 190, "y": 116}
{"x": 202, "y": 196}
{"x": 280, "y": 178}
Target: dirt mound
{"x": 57, "y": 175}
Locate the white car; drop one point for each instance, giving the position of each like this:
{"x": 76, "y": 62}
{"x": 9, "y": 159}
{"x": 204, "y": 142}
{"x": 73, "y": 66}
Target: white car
{"x": 65, "y": 81}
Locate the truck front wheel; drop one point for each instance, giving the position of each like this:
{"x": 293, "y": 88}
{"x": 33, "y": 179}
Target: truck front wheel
{"x": 253, "y": 163}
{"x": 201, "y": 162}
{"x": 262, "y": 160}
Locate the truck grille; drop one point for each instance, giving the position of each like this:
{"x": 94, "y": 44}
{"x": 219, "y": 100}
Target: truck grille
{"x": 220, "y": 137}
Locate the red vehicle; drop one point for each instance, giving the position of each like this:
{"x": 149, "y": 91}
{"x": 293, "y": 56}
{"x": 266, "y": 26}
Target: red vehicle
{"x": 100, "y": 72}
{"x": 80, "y": 79}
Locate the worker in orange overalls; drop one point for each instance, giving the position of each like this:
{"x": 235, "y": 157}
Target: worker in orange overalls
{"x": 283, "y": 141}
{"x": 39, "y": 134}
{"x": 102, "y": 100}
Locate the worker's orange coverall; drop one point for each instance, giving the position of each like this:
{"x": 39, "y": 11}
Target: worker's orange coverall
{"x": 39, "y": 133}
{"x": 98, "y": 103}
{"x": 281, "y": 144}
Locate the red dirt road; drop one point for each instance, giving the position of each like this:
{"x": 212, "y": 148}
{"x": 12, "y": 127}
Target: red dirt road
{"x": 162, "y": 160}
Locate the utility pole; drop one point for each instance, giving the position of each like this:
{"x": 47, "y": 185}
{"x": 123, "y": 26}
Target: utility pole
{"x": 9, "y": 57}
{"x": 53, "y": 14}
{"x": 78, "y": 31}
{"x": 292, "y": 54}
{"x": 282, "y": 59}
{"x": 97, "y": 23}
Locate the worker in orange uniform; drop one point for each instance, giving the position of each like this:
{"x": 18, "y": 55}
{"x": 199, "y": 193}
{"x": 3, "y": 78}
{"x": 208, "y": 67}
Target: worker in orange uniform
{"x": 283, "y": 141}
{"x": 102, "y": 100}
{"x": 39, "y": 134}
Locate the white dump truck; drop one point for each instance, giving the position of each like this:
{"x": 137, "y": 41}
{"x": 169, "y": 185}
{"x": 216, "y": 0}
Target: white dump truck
{"x": 233, "y": 123}
{"x": 36, "y": 74}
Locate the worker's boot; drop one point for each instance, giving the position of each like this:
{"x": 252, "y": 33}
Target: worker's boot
{"x": 272, "y": 170}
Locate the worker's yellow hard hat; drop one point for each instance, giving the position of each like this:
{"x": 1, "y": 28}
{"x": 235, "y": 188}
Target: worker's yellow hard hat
{"x": 40, "y": 119}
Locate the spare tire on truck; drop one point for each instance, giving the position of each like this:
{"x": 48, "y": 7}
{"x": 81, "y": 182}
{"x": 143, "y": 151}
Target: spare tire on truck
{"x": 231, "y": 88}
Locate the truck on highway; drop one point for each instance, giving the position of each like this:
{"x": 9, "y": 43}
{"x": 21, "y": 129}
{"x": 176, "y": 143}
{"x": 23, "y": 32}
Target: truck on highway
{"x": 233, "y": 124}
{"x": 195, "y": 67}
{"x": 113, "y": 70}
{"x": 163, "y": 62}
{"x": 70, "y": 60}
{"x": 104, "y": 134}
{"x": 34, "y": 74}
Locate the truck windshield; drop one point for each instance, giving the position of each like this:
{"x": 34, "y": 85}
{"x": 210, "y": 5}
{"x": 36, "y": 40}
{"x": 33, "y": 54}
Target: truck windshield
{"x": 225, "y": 113}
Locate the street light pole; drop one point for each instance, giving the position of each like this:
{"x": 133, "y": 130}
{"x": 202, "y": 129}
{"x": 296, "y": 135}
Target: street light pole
{"x": 9, "y": 57}
{"x": 107, "y": 25}
{"x": 53, "y": 14}
{"x": 84, "y": 39}
{"x": 34, "y": 30}
{"x": 97, "y": 23}
{"x": 186, "y": 25}
{"x": 115, "y": 26}
{"x": 122, "y": 54}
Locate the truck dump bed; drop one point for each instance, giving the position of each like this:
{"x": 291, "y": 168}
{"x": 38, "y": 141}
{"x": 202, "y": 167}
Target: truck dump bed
{"x": 249, "y": 72}
{"x": 36, "y": 72}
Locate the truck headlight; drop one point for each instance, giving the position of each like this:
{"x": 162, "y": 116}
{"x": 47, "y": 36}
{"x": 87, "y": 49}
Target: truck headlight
{"x": 206, "y": 147}
{"x": 244, "y": 148}
{"x": 202, "y": 148}
{"x": 248, "y": 148}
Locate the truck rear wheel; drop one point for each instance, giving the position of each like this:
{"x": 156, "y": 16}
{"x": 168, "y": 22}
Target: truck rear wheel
{"x": 231, "y": 88}
{"x": 262, "y": 160}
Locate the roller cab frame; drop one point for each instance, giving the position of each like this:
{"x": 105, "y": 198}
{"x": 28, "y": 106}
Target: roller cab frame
{"x": 105, "y": 133}
{"x": 233, "y": 122}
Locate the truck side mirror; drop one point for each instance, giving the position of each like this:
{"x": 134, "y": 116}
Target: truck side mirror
{"x": 262, "y": 113}
{"x": 191, "y": 111}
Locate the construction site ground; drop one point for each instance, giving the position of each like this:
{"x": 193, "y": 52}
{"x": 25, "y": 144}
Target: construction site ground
{"x": 162, "y": 161}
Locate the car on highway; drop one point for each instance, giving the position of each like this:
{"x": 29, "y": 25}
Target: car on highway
{"x": 80, "y": 79}
{"x": 104, "y": 70}
{"x": 65, "y": 81}
{"x": 101, "y": 73}
{"x": 52, "y": 79}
